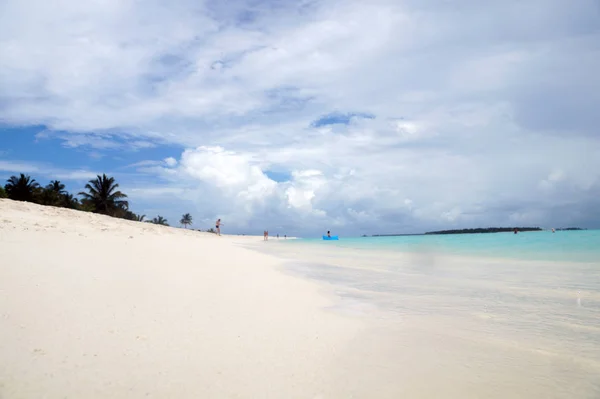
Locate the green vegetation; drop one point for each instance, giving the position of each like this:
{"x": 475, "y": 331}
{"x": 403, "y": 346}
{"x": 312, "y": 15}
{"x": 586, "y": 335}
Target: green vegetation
{"x": 186, "y": 220}
{"x": 158, "y": 220}
{"x": 103, "y": 197}
{"x": 22, "y": 188}
{"x": 68, "y": 201}
{"x": 486, "y": 230}
{"x": 100, "y": 195}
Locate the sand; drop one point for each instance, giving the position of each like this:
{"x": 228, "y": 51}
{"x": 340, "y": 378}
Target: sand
{"x": 98, "y": 307}
{"x": 462, "y": 327}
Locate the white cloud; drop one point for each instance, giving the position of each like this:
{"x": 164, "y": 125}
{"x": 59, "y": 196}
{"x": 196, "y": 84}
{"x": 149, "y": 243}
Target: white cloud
{"x": 226, "y": 170}
{"x": 552, "y": 180}
{"x": 15, "y": 167}
{"x": 21, "y": 167}
{"x": 475, "y": 107}
{"x": 170, "y": 161}
{"x": 72, "y": 174}
{"x": 302, "y": 189}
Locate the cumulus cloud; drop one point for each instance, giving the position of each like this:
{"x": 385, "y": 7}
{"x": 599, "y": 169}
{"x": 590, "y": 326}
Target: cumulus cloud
{"x": 301, "y": 192}
{"x": 387, "y": 115}
{"x": 170, "y": 161}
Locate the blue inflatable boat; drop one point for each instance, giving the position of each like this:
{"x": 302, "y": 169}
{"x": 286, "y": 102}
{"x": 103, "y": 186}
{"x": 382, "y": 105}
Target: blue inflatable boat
{"x": 330, "y": 238}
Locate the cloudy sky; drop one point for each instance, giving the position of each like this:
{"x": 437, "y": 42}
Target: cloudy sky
{"x": 360, "y": 117}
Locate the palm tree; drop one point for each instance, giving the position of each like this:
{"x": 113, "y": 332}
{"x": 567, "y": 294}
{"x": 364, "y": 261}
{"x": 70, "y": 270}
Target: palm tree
{"x": 46, "y": 196}
{"x": 139, "y": 218}
{"x": 21, "y": 188}
{"x": 51, "y": 194}
{"x": 186, "y": 220}
{"x": 102, "y": 195}
{"x": 57, "y": 187}
{"x": 67, "y": 200}
{"x": 3, "y": 193}
{"x": 159, "y": 220}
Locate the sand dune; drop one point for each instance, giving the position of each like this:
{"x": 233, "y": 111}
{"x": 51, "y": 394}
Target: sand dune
{"x": 97, "y": 307}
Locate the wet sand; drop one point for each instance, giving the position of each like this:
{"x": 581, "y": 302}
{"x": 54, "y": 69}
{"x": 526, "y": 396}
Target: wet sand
{"x": 462, "y": 327}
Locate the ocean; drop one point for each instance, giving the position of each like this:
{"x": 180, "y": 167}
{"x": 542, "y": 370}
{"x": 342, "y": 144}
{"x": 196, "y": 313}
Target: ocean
{"x": 569, "y": 246}
{"x": 481, "y": 315}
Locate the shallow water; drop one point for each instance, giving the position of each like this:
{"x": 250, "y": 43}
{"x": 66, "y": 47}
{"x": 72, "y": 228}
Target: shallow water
{"x": 569, "y": 246}
{"x": 526, "y": 328}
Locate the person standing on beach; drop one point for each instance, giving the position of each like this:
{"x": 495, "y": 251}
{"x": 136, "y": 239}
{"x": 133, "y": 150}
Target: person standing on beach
{"x": 218, "y": 226}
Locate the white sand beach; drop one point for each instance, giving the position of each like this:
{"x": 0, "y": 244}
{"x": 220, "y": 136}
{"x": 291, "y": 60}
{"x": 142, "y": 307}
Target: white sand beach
{"x": 97, "y": 307}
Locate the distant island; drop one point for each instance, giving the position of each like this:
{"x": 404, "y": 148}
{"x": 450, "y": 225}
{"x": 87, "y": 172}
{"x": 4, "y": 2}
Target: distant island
{"x": 486, "y": 230}
{"x": 498, "y": 230}
{"x": 478, "y": 231}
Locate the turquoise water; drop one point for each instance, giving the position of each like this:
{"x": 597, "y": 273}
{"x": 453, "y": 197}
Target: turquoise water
{"x": 487, "y": 324}
{"x": 571, "y": 246}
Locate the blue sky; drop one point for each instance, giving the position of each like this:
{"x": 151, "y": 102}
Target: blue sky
{"x": 48, "y": 158}
{"x": 336, "y": 118}
{"x": 303, "y": 117}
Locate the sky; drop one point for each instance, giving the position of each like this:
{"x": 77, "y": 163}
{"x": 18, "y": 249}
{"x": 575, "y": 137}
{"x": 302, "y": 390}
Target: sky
{"x": 378, "y": 117}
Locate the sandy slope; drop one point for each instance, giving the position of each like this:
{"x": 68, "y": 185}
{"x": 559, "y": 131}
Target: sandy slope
{"x": 96, "y": 307}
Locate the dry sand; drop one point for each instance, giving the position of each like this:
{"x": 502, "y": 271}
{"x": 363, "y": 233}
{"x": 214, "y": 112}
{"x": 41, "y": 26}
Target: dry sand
{"x": 97, "y": 307}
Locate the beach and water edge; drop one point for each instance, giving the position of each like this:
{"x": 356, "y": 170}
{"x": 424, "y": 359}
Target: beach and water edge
{"x": 485, "y": 315}
{"x": 92, "y": 306}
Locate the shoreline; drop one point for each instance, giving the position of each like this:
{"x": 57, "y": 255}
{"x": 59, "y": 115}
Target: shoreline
{"x": 377, "y": 259}
{"x": 358, "y": 246}
{"x": 100, "y": 307}
{"x": 318, "y": 250}
{"x": 95, "y": 307}
{"x": 530, "y": 327}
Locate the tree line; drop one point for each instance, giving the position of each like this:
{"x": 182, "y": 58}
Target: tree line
{"x": 486, "y": 230}
{"x": 100, "y": 195}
